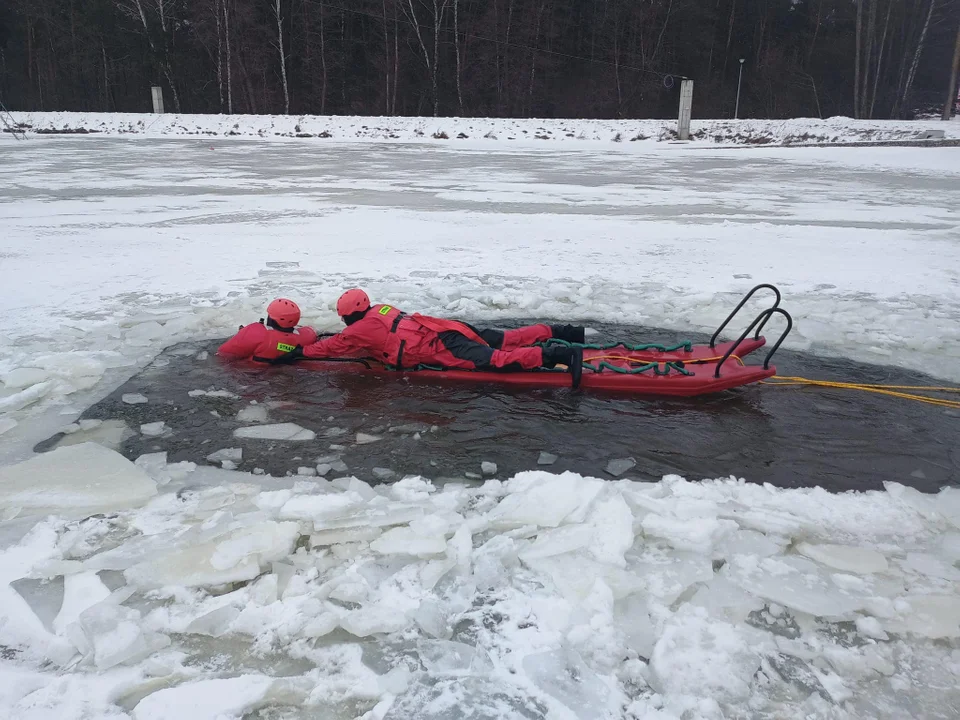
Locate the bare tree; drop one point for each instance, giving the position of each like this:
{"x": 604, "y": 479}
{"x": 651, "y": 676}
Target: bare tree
{"x": 856, "y": 64}
{"x": 226, "y": 26}
{"x": 879, "y": 69}
{"x": 135, "y": 9}
{"x": 283, "y": 58}
{"x": 431, "y": 63}
{"x": 323, "y": 66}
{"x": 952, "y": 87}
{"x": 216, "y": 12}
{"x": 456, "y": 37}
{"x": 916, "y": 57}
{"x": 386, "y": 59}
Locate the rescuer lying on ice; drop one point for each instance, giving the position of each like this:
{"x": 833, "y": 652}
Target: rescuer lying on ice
{"x": 398, "y": 340}
{"x": 267, "y": 342}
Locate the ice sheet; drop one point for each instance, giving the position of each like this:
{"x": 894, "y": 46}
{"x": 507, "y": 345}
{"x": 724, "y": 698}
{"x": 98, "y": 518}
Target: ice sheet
{"x": 74, "y": 481}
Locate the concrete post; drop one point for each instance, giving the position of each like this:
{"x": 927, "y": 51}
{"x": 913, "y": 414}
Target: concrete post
{"x": 686, "y": 107}
{"x": 157, "y": 93}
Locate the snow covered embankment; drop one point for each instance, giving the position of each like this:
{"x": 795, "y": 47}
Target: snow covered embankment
{"x": 556, "y": 595}
{"x": 537, "y": 132}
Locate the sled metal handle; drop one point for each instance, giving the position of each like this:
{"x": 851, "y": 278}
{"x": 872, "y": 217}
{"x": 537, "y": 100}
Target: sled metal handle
{"x": 783, "y": 336}
{"x": 776, "y": 304}
{"x": 762, "y": 319}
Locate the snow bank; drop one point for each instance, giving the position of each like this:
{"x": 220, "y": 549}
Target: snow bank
{"x": 537, "y": 132}
{"x": 582, "y": 597}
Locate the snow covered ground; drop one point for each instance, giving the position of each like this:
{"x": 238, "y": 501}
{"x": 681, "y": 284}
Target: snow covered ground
{"x": 491, "y": 130}
{"x": 168, "y": 591}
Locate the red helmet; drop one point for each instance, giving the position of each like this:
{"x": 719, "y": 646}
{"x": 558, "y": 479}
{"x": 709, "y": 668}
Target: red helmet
{"x": 352, "y": 301}
{"x": 285, "y": 313}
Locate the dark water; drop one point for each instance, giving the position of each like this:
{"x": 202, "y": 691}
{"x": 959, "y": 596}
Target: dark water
{"x": 787, "y": 436}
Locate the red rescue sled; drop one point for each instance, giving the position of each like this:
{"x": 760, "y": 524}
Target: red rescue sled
{"x": 683, "y": 370}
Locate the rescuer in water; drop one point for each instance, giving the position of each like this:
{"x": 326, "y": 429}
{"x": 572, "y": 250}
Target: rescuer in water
{"x": 267, "y": 342}
{"x": 401, "y": 341}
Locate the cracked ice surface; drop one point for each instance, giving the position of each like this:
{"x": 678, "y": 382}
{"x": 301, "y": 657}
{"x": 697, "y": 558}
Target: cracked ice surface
{"x": 542, "y": 595}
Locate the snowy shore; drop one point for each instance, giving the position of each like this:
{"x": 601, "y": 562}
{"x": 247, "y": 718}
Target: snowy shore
{"x": 515, "y": 132}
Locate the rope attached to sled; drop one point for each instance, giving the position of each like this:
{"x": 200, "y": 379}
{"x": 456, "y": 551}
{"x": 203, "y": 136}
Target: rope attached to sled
{"x": 889, "y": 390}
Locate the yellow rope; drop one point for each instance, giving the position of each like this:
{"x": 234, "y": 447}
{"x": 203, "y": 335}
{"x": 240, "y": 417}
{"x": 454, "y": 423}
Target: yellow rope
{"x": 891, "y": 390}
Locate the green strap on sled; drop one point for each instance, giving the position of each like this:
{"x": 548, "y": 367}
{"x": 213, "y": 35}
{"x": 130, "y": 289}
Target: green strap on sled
{"x": 684, "y": 346}
{"x": 668, "y": 367}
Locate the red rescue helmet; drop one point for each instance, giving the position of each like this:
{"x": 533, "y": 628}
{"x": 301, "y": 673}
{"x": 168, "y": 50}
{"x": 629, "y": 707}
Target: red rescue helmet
{"x": 352, "y": 301}
{"x": 285, "y": 313}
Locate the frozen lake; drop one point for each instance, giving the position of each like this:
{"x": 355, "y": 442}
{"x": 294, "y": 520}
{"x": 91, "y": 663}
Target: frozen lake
{"x": 175, "y": 589}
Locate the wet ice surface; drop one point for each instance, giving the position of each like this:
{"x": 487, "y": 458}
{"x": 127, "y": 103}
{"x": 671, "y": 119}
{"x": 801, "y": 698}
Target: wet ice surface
{"x": 301, "y": 421}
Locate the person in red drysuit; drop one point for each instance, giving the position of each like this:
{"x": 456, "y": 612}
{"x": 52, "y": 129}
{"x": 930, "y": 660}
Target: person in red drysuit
{"x": 267, "y": 342}
{"x": 398, "y": 340}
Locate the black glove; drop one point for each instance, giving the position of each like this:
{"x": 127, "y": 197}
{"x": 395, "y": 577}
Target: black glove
{"x": 289, "y": 357}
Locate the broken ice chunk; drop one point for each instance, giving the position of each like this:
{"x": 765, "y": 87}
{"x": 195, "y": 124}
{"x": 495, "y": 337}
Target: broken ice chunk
{"x": 75, "y": 481}
{"x": 844, "y": 557}
{"x": 428, "y": 538}
{"x": 279, "y": 431}
{"x": 546, "y": 459}
{"x": 703, "y": 657}
{"x": 870, "y": 627}
{"x": 933, "y": 616}
{"x": 449, "y": 657}
{"x": 214, "y": 623}
{"x": 154, "y": 429}
{"x": 23, "y": 377}
{"x": 747, "y": 542}
{"x": 112, "y": 634}
{"x": 564, "y": 675}
{"x": 134, "y": 398}
{"x": 488, "y": 468}
{"x": 432, "y": 619}
{"x": 539, "y": 498}
{"x": 373, "y": 619}
{"x": 796, "y": 583}
{"x": 619, "y": 467}
{"x": 347, "y": 535}
{"x": 214, "y": 394}
{"x": 725, "y": 601}
{"x": 25, "y": 397}
{"x": 364, "y": 439}
{"x": 80, "y": 591}
{"x": 930, "y": 565}
{"x": 235, "y": 557}
{"x": 231, "y": 454}
{"x": 252, "y": 414}
{"x": 221, "y": 698}
{"x": 383, "y": 473}
{"x": 699, "y": 535}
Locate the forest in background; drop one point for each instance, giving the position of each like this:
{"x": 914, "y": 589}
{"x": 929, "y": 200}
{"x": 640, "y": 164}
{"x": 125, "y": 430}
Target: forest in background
{"x": 484, "y": 58}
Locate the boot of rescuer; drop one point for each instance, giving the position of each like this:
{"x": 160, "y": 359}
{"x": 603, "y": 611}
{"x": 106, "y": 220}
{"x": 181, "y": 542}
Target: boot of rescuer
{"x": 569, "y": 333}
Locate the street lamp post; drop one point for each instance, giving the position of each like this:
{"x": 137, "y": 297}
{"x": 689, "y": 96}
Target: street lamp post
{"x": 736, "y": 113}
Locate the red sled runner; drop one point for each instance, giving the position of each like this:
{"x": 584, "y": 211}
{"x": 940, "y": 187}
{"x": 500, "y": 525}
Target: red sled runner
{"x": 682, "y": 370}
